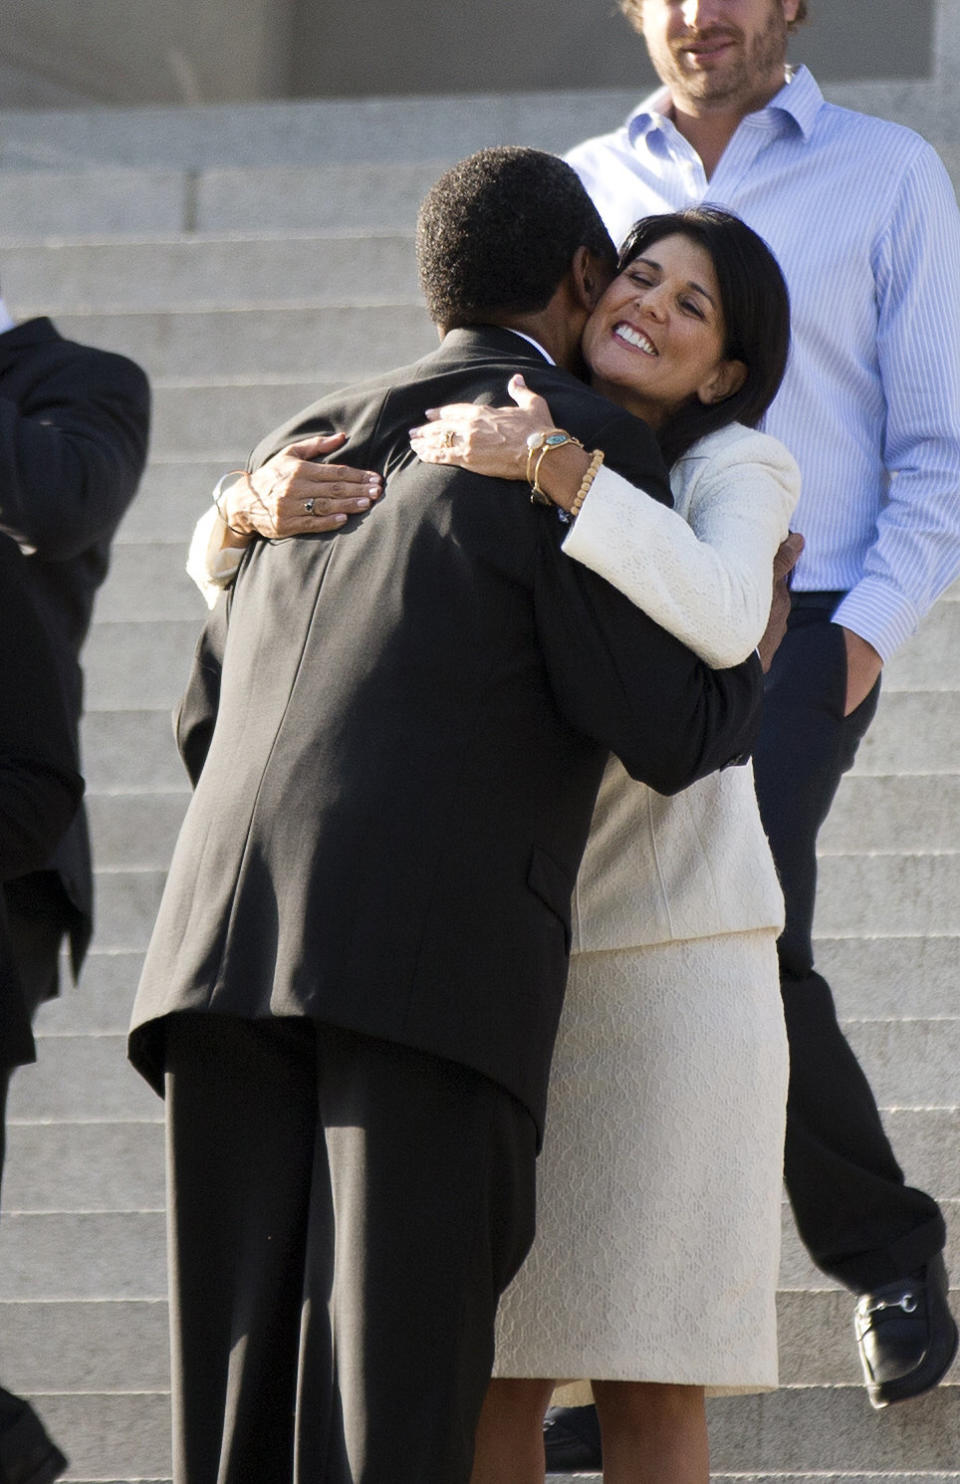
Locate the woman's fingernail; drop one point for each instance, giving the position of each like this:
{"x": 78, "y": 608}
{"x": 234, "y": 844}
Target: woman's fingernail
{"x": 363, "y": 504}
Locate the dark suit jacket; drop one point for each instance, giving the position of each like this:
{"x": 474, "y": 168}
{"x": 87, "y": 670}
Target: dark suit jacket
{"x": 40, "y": 787}
{"x": 414, "y": 717}
{"x": 73, "y": 442}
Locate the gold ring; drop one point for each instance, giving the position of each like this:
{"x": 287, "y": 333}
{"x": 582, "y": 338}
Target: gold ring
{"x": 449, "y": 438}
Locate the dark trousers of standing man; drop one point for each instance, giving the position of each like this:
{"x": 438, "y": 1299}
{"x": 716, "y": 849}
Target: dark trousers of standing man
{"x": 344, "y": 1215}
{"x": 859, "y": 1220}
{"x": 26, "y": 1452}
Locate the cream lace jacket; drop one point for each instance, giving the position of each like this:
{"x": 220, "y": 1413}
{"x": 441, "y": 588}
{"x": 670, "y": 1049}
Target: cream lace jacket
{"x": 697, "y": 864}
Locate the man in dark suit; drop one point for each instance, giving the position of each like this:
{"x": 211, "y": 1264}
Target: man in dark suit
{"x": 353, "y": 986}
{"x": 40, "y": 792}
{"x": 73, "y": 441}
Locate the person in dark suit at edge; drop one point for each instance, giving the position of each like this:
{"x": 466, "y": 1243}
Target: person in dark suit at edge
{"x": 352, "y": 989}
{"x": 40, "y": 792}
{"x": 74, "y": 422}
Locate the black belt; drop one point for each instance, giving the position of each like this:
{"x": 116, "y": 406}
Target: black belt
{"x": 816, "y": 599}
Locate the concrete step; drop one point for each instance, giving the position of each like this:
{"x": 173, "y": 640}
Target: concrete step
{"x": 82, "y": 1078}
{"x": 100, "y": 1004}
{"x": 149, "y": 581}
{"x": 126, "y": 906}
{"x": 834, "y": 1430}
{"x": 204, "y": 272}
{"x": 889, "y": 976}
{"x": 67, "y": 1166}
{"x": 346, "y": 343}
{"x": 83, "y": 1347}
{"x": 395, "y": 132}
{"x": 138, "y": 666}
{"x": 136, "y": 831}
{"x": 358, "y": 197}
{"x": 83, "y": 1256}
{"x": 929, "y": 661}
{"x": 130, "y": 750}
{"x": 193, "y": 419}
{"x": 120, "y": 1436}
{"x": 890, "y": 813}
{"x": 41, "y": 203}
{"x": 888, "y": 895}
{"x": 175, "y": 490}
{"x": 915, "y": 732}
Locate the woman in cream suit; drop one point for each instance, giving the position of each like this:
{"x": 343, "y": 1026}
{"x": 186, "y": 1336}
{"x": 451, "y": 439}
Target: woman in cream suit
{"x": 654, "y": 1269}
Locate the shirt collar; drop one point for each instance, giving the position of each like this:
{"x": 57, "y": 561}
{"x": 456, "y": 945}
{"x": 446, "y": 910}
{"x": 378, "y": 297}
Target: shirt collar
{"x": 535, "y": 343}
{"x": 799, "y": 101}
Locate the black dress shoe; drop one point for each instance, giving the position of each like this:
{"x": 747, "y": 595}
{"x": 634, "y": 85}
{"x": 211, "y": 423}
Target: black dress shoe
{"x": 27, "y": 1454}
{"x": 906, "y": 1335}
{"x": 571, "y": 1440}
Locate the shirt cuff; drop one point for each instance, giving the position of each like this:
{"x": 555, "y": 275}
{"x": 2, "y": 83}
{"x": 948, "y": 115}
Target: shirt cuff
{"x": 878, "y": 613}
{"x": 210, "y": 564}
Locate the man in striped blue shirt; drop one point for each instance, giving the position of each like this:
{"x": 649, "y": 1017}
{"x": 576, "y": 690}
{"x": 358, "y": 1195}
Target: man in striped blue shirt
{"x": 862, "y": 216}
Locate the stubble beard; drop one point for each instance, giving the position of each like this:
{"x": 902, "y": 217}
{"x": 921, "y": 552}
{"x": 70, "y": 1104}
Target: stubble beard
{"x": 739, "y": 81}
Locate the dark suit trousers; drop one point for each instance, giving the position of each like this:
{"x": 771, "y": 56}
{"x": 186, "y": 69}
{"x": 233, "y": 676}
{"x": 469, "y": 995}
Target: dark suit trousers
{"x": 861, "y": 1223}
{"x": 344, "y": 1215}
{"x": 35, "y": 941}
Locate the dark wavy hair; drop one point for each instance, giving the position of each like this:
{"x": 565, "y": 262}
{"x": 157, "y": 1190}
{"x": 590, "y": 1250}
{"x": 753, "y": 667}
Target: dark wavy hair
{"x": 633, "y": 10}
{"x": 497, "y": 233}
{"x": 756, "y": 316}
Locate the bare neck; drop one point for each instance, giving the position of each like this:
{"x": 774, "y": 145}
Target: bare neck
{"x": 709, "y": 129}
{"x": 708, "y": 133}
{"x": 556, "y": 331}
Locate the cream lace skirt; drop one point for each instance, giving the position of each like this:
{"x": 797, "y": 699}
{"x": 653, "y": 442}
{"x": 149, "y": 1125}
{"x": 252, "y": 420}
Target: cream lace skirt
{"x": 659, "y": 1186}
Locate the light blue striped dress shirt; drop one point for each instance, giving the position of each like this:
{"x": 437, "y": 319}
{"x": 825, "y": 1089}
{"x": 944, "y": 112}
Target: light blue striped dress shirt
{"x": 864, "y": 222}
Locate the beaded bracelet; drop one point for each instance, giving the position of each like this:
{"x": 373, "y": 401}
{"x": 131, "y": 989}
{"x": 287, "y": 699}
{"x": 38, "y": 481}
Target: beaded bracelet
{"x": 595, "y": 461}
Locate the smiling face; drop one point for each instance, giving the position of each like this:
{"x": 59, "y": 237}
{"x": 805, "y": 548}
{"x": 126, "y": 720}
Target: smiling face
{"x": 719, "y": 54}
{"x": 656, "y": 338}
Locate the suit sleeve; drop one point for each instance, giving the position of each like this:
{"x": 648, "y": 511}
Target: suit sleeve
{"x": 72, "y": 452}
{"x": 195, "y": 717}
{"x": 40, "y": 788}
{"x": 621, "y": 679}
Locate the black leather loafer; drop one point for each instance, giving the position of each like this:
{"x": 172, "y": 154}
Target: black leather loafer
{"x": 27, "y": 1454}
{"x": 906, "y": 1335}
{"x": 571, "y": 1440}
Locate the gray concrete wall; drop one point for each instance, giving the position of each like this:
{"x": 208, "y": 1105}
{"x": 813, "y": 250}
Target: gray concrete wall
{"x": 61, "y": 53}
{"x": 66, "y": 53}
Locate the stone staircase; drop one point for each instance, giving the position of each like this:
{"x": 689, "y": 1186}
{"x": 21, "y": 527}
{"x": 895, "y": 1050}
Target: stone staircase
{"x": 248, "y": 257}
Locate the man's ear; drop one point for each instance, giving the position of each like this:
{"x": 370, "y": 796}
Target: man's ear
{"x": 726, "y": 378}
{"x": 591, "y": 275}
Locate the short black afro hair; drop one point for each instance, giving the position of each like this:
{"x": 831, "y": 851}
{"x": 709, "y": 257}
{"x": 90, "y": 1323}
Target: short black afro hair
{"x": 497, "y": 233}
